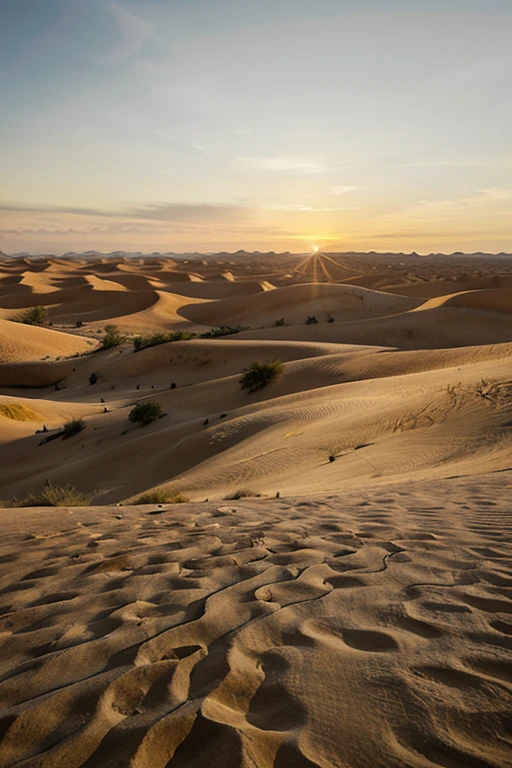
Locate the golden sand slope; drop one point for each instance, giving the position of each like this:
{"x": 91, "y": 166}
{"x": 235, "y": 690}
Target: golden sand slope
{"x": 381, "y": 414}
{"x": 26, "y": 342}
{"x": 497, "y": 300}
{"x": 425, "y": 327}
{"x": 294, "y": 303}
{"x": 356, "y": 629}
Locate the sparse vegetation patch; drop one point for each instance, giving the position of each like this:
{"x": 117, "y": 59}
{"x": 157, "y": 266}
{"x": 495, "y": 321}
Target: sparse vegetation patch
{"x": 259, "y": 375}
{"x": 241, "y": 493}
{"x": 73, "y": 427}
{"x": 223, "y": 330}
{"x": 142, "y": 342}
{"x": 162, "y": 496}
{"x": 145, "y": 413}
{"x": 112, "y": 337}
{"x": 51, "y": 496}
{"x": 33, "y": 316}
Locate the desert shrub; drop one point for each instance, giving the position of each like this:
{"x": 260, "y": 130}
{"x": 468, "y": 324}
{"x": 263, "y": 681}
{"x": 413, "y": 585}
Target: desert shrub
{"x": 241, "y": 493}
{"x": 311, "y": 320}
{"x": 146, "y": 412}
{"x": 93, "y": 378}
{"x": 222, "y": 330}
{"x": 112, "y": 337}
{"x": 73, "y": 427}
{"x": 259, "y": 375}
{"x": 33, "y": 316}
{"x": 51, "y": 496}
{"x": 161, "y": 496}
{"x": 279, "y": 323}
{"x": 142, "y": 342}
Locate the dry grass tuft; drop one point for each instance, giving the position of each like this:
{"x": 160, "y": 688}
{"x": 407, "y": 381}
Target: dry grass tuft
{"x": 18, "y": 412}
{"x": 162, "y": 496}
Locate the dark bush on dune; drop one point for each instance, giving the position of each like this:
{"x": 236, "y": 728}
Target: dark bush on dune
{"x": 145, "y": 413}
{"x": 142, "y": 342}
{"x": 259, "y": 375}
{"x": 33, "y": 316}
{"x": 73, "y": 427}
{"x": 112, "y": 337}
{"x": 222, "y": 330}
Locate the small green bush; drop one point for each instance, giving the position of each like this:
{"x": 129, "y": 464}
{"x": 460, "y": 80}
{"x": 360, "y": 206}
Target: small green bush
{"x": 223, "y": 330}
{"x": 93, "y": 378}
{"x": 51, "y": 496}
{"x": 146, "y": 412}
{"x": 311, "y": 320}
{"x": 279, "y": 323}
{"x": 142, "y": 342}
{"x": 73, "y": 427}
{"x": 259, "y": 375}
{"x": 161, "y": 496}
{"x": 33, "y": 316}
{"x": 112, "y": 337}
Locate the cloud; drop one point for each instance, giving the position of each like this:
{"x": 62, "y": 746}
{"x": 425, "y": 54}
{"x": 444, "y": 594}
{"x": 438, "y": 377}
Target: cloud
{"x": 165, "y": 135}
{"x": 199, "y": 148}
{"x": 178, "y": 212}
{"x": 292, "y": 207}
{"x": 241, "y": 132}
{"x": 470, "y": 163}
{"x": 151, "y": 212}
{"x": 476, "y": 204}
{"x": 134, "y": 32}
{"x": 342, "y": 190}
{"x": 287, "y": 164}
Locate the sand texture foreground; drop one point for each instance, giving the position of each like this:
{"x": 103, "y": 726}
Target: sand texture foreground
{"x": 353, "y": 629}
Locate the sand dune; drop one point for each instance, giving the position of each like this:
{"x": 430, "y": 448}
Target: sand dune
{"x": 35, "y": 374}
{"x": 296, "y": 302}
{"x": 490, "y": 300}
{"x": 25, "y": 342}
{"x": 219, "y": 289}
{"x": 340, "y": 630}
{"x": 352, "y": 608}
{"x": 438, "y": 327}
{"x": 161, "y": 314}
{"x": 429, "y": 290}
{"x": 380, "y": 418}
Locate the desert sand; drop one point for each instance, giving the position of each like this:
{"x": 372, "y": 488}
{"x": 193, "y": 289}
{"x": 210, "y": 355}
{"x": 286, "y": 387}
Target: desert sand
{"x": 336, "y": 591}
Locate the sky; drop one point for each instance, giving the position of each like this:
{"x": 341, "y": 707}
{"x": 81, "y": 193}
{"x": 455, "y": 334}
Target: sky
{"x": 184, "y": 125}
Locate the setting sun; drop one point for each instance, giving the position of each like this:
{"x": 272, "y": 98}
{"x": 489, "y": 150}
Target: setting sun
{"x": 316, "y": 248}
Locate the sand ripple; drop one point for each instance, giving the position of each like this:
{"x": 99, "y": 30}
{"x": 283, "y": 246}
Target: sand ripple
{"x": 362, "y": 629}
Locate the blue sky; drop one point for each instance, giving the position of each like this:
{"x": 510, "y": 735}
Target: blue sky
{"x": 278, "y": 125}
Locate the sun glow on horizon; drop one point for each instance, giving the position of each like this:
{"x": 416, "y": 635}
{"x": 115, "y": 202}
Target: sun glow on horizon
{"x": 316, "y": 248}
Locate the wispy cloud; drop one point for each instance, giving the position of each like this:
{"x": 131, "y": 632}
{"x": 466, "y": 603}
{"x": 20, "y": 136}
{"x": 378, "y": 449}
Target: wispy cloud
{"x": 468, "y": 163}
{"x": 134, "y": 32}
{"x": 342, "y": 190}
{"x": 199, "y": 148}
{"x": 298, "y": 207}
{"x": 165, "y": 135}
{"x": 286, "y": 164}
{"x": 491, "y": 201}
